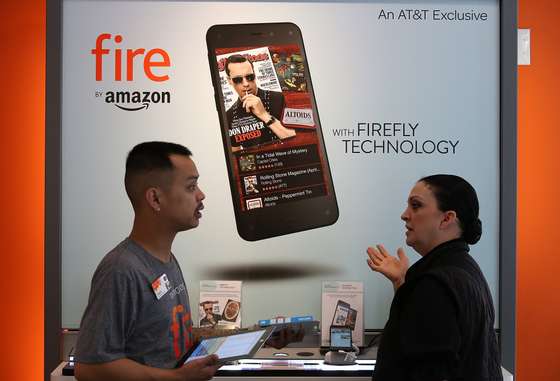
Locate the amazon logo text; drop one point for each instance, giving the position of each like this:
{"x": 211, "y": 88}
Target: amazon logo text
{"x": 155, "y": 63}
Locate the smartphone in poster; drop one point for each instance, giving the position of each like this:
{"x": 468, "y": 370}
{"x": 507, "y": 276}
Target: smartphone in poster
{"x": 278, "y": 169}
{"x": 220, "y": 304}
{"x": 342, "y": 306}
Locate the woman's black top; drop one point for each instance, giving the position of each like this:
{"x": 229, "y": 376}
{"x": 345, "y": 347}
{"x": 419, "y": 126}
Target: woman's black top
{"x": 441, "y": 323}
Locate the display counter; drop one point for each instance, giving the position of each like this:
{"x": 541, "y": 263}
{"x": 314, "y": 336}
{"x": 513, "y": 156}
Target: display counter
{"x": 297, "y": 361}
{"x": 259, "y": 369}
{"x": 285, "y": 369}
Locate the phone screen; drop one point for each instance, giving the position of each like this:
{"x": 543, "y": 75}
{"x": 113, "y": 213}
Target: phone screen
{"x": 341, "y": 314}
{"x": 271, "y": 129}
{"x": 341, "y": 337}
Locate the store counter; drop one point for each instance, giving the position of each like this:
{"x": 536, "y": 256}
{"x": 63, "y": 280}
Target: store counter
{"x": 284, "y": 370}
{"x": 292, "y": 370}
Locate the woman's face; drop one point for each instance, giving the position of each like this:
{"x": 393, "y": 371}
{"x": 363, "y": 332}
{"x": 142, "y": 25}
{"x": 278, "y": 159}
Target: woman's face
{"x": 422, "y": 219}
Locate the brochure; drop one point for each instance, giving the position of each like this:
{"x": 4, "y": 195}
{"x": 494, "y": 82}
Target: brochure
{"x": 220, "y": 304}
{"x": 342, "y": 306}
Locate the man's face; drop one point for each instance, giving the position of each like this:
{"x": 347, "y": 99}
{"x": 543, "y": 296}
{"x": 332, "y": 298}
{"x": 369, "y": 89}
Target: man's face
{"x": 181, "y": 201}
{"x": 239, "y": 72}
{"x": 208, "y": 310}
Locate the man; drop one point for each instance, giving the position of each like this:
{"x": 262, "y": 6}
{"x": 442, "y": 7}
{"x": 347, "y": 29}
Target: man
{"x": 255, "y": 118}
{"x": 210, "y": 319}
{"x": 137, "y": 324}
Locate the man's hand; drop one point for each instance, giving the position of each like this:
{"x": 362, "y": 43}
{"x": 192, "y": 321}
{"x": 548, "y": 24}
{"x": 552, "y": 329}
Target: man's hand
{"x": 200, "y": 369}
{"x": 392, "y": 267}
{"x": 253, "y": 104}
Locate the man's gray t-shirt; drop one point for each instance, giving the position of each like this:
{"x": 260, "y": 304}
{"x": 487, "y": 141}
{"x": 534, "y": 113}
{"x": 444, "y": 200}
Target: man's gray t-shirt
{"x": 125, "y": 319}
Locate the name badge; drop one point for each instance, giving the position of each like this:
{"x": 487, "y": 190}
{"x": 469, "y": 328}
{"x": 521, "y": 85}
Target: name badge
{"x": 161, "y": 286}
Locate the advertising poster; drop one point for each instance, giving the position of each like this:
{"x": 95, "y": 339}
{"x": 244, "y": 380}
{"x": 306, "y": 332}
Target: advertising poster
{"x": 219, "y": 304}
{"x": 307, "y": 142}
{"x": 342, "y": 306}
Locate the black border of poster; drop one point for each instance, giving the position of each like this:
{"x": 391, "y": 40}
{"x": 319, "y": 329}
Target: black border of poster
{"x": 53, "y": 186}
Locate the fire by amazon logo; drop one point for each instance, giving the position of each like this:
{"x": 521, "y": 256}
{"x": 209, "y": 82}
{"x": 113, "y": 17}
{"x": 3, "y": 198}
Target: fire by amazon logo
{"x": 153, "y": 58}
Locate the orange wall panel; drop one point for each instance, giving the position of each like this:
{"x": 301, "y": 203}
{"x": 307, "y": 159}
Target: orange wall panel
{"x": 22, "y": 67}
{"x": 538, "y": 253}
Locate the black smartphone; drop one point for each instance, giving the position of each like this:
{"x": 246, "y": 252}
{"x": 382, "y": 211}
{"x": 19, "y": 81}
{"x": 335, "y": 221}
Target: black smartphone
{"x": 341, "y": 313}
{"x": 278, "y": 168}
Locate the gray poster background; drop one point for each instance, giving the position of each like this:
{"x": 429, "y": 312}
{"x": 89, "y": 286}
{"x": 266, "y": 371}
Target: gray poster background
{"x": 443, "y": 75}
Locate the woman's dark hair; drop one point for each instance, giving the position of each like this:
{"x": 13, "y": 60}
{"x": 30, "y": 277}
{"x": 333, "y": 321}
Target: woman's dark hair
{"x": 455, "y": 193}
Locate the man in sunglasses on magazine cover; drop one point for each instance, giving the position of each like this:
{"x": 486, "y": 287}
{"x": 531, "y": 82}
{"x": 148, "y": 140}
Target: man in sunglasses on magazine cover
{"x": 256, "y": 116}
{"x": 210, "y": 319}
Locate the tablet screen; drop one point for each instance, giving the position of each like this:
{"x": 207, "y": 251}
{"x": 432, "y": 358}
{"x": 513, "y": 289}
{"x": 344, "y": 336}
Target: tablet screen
{"x": 242, "y": 345}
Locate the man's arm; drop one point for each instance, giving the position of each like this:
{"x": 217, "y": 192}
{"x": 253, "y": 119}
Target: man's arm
{"x": 129, "y": 370}
{"x": 100, "y": 350}
{"x": 279, "y": 130}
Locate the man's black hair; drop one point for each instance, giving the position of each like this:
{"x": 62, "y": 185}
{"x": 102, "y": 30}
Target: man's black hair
{"x": 236, "y": 58}
{"x": 148, "y": 157}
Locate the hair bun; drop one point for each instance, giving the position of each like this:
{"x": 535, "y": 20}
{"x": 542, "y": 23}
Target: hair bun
{"x": 473, "y": 232}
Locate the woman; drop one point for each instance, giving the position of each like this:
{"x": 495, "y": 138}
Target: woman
{"x": 441, "y": 323}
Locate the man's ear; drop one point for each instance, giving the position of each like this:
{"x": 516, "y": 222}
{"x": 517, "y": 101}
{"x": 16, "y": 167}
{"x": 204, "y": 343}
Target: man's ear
{"x": 153, "y": 197}
{"x": 449, "y": 218}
